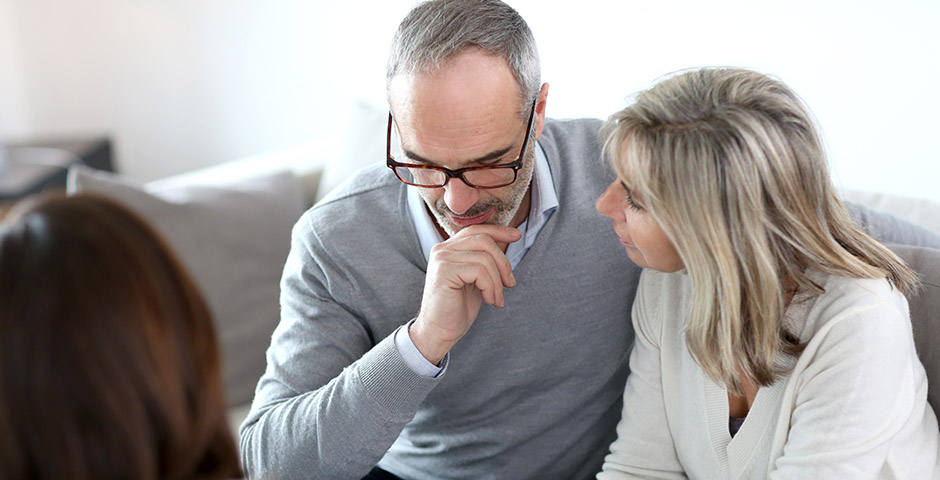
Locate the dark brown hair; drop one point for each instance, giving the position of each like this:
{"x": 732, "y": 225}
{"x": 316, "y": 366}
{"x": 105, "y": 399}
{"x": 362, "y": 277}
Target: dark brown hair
{"x": 109, "y": 365}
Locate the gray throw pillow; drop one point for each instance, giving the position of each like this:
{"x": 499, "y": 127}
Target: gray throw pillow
{"x": 234, "y": 239}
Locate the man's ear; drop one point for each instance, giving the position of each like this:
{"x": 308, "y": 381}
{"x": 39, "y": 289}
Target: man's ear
{"x": 540, "y": 110}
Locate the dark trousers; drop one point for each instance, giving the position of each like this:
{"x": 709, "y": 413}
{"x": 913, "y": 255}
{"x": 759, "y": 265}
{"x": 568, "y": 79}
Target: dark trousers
{"x": 379, "y": 474}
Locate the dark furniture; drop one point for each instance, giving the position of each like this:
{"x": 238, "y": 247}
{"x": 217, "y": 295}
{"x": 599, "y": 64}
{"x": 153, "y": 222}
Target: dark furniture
{"x": 33, "y": 166}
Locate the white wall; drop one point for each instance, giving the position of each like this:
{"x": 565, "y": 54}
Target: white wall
{"x": 13, "y": 119}
{"x": 180, "y": 83}
{"x": 186, "y": 83}
{"x": 869, "y": 70}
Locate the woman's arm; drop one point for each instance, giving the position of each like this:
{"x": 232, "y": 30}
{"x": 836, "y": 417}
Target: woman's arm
{"x": 644, "y": 446}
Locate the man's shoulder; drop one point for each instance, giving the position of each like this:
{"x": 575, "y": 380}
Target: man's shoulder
{"x": 566, "y": 129}
{"x": 366, "y": 184}
{"x": 573, "y": 150}
{"x": 373, "y": 196}
{"x": 574, "y": 140}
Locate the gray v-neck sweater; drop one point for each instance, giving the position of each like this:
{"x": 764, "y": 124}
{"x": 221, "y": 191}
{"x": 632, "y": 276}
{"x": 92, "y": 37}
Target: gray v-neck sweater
{"x": 532, "y": 391}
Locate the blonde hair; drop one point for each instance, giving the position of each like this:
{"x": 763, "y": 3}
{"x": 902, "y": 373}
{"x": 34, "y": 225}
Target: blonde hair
{"x": 730, "y": 165}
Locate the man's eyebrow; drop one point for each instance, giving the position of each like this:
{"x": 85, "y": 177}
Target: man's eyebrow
{"x": 494, "y": 155}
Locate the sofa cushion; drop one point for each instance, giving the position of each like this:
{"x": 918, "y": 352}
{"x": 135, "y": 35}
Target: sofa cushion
{"x": 920, "y": 211}
{"x": 234, "y": 240}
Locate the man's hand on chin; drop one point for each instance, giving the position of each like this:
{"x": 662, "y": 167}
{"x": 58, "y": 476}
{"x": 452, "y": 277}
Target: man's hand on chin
{"x": 465, "y": 270}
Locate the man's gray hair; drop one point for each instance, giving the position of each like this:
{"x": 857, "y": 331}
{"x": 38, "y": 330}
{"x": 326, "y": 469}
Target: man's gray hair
{"x": 436, "y": 30}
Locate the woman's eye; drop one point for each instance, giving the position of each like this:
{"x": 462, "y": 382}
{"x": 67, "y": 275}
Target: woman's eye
{"x": 631, "y": 202}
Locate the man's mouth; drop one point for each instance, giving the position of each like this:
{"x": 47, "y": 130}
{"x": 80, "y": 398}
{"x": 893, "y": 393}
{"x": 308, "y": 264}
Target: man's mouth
{"x": 467, "y": 221}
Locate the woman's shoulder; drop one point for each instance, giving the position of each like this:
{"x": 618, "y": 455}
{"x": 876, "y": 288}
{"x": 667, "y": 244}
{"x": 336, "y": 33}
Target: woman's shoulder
{"x": 857, "y": 294}
{"x": 860, "y": 308}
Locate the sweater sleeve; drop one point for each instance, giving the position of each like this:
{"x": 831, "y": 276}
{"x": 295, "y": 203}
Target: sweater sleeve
{"x": 332, "y": 400}
{"x": 644, "y": 447}
{"x": 860, "y": 389}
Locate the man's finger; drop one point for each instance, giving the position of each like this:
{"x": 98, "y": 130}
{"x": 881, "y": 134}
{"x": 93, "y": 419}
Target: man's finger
{"x": 499, "y": 233}
{"x": 493, "y": 239}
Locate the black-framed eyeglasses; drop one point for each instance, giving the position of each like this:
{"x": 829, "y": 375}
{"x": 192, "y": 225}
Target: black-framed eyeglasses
{"x": 483, "y": 176}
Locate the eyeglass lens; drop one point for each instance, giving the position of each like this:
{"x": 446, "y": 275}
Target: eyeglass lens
{"x": 494, "y": 177}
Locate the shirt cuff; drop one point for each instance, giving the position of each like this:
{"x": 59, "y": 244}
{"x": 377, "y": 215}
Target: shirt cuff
{"x": 413, "y": 358}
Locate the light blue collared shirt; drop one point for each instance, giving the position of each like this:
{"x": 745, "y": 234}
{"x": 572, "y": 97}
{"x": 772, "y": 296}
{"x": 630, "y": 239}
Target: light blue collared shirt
{"x": 543, "y": 203}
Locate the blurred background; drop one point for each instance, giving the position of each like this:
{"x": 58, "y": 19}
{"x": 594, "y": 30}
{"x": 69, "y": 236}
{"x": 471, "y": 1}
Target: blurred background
{"x": 182, "y": 84}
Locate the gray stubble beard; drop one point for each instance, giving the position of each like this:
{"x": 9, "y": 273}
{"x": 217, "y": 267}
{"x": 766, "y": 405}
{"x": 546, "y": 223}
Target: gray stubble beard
{"x": 505, "y": 211}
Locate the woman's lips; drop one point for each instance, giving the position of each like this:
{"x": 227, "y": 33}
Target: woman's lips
{"x": 467, "y": 221}
{"x": 625, "y": 243}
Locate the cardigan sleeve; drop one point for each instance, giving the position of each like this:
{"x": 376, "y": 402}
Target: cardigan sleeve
{"x": 644, "y": 447}
{"x": 860, "y": 388}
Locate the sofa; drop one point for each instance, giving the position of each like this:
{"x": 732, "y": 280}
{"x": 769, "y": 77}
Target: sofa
{"x": 231, "y": 224}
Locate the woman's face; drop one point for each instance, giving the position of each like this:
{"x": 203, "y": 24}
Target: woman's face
{"x": 645, "y": 242}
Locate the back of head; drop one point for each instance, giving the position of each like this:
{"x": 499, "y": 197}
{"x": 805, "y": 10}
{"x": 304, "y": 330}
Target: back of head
{"x": 109, "y": 366}
{"x": 730, "y": 164}
{"x": 436, "y": 30}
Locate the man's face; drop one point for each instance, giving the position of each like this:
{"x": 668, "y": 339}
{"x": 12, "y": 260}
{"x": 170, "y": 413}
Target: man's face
{"x": 466, "y": 114}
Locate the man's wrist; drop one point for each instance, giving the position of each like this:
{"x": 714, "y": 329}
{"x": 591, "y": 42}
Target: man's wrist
{"x": 412, "y": 357}
{"x": 432, "y": 351}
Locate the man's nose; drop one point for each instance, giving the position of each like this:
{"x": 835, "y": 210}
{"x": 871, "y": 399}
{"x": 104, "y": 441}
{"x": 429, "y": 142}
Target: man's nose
{"x": 459, "y": 196}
